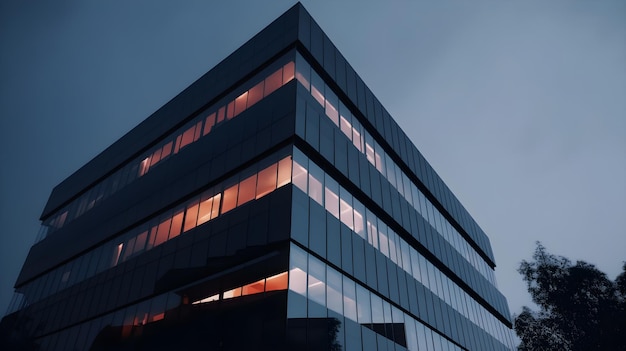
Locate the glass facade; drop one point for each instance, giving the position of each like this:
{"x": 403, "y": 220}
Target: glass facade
{"x": 273, "y": 204}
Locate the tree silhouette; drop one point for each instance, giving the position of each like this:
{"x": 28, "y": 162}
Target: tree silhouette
{"x": 580, "y": 308}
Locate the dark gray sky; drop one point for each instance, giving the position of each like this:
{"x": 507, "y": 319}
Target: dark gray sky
{"x": 519, "y": 105}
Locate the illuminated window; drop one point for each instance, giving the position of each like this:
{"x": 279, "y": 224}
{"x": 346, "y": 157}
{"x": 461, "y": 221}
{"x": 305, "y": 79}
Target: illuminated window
{"x": 315, "y": 190}
{"x": 163, "y": 231}
{"x": 297, "y": 270}
{"x": 331, "y": 112}
{"x": 207, "y": 299}
{"x": 143, "y": 166}
{"x": 332, "y": 203}
{"x": 346, "y": 127}
{"x": 236, "y": 292}
{"x": 204, "y": 214}
{"x": 284, "y": 172}
{"x": 300, "y": 176}
{"x": 359, "y": 226}
{"x": 216, "y": 205}
{"x": 220, "y": 114}
{"x": 188, "y": 137}
{"x": 273, "y": 82}
{"x": 230, "y": 110}
{"x": 317, "y": 88}
{"x": 276, "y": 282}
{"x": 266, "y": 181}
{"x": 317, "y": 286}
{"x": 255, "y": 94}
{"x": 230, "y": 198}
{"x": 177, "y": 143}
{"x": 209, "y": 123}
{"x": 177, "y": 223}
{"x": 190, "y": 216}
{"x": 288, "y": 72}
{"x": 198, "y": 131}
{"x": 253, "y": 288}
{"x": 156, "y": 157}
{"x": 129, "y": 248}
{"x": 346, "y": 213}
{"x": 240, "y": 103}
{"x": 167, "y": 150}
{"x": 158, "y": 317}
{"x": 247, "y": 189}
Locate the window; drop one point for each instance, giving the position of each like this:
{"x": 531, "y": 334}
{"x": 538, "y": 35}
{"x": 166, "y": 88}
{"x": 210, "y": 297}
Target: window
{"x": 209, "y": 123}
{"x": 266, "y": 181}
{"x": 247, "y": 189}
{"x": 255, "y": 94}
{"x": 204, "y": 214}
{"x": 273, "y": 82}
{"x": 190, "y": 216}
{"x": 276, "y": 282}
{"x": 240, "y": 103}
{"x": 230, "y": 198}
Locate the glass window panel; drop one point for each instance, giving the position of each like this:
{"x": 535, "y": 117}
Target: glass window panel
{"x": 315, "y": 189}
{"x": 276, "y": 282}
{"x": 240, "y": 103}
{"x": 167, "y": 150}
{"x": 297, "y": 270}
{"x": 317, "y": 279}
{"x": 382, "y": 236}
{"x": 267, "y": 181}
{"x": 303, "y": 72}
{"x": 377, "y": 310}
{"x": 253, "y": 288}
{"x": 140, "y": 243}
{"x": 386, "y": 311}
{"x": 332, "y": 202}
{"x": 359, "y": 218}
{"x": 230, "y": 198}
{"x": 317, "y": 88}
{"x": 236, "y": 292}
{"x": 156, "y": 157}
{"x": 349, "y": 299}
{"x": 198, "y": 131}
{"x": 284, "y": 172}
{"x": 144, "y": 165}
{"x": 163, "y": 231}
{"x": 300, "y": 176}
{"x": 204, "y": 213}
{"x": 177, "y": 223}
{"x": 333, "y": 290}
{"x": 216, "y": 205}
{"x": 221, "y": 114}
{"x": 255, "y": 94}
{"x": 129, "y": 247}
{"x": 191, "y": 215}
{"x": 363, "y": 305}
{"x": 247, "y": 189}
{"x": 288, "y": 72}
{"x": 209, "y": 123}
{"x": 273, "y": 82}
{"x": 188, "y": 137}
{"x": 346, "y": 127}
{"x": 332, "y": 106}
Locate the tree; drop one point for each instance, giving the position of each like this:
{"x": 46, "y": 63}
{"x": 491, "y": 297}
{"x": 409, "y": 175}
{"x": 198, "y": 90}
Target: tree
{"x": 580, "y": 307}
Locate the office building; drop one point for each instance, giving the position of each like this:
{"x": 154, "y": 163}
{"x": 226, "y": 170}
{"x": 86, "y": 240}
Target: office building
{"x": 274, "y": 204}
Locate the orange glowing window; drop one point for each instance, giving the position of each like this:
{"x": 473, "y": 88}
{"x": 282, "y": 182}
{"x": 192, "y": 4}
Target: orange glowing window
{"x": 246, "y": 190}
{"x": 220, "y": 114}
{"x": 190, "y": 217}
{"x": 230, "y": 110}
{"x": 284, "y": 172}
{"x": 276, "y": 282}
{"x": 207, "y": 299}
{"x": 167, "y": 150}
{"x": 198, "y": 131}
{"x": 156, "y": 157}
{"x": 158, "y": 317}
{"x": 188, "y": 136}
{"x": 204, "y": 214}
{"x": 288, "y": 72}
{"x": 273, "y": 82}
{"x": 144, "y": 165}
{"x": 240, "y": 103}
{"x": 230, "y": 198}
{"x": 216, "y": 205}
{"x": 140, "y": 243}
{"x": 177, "y": 144}
{"x": 163, "y": 232}
{"x": 255, "y": 94}
{"x": 151, "y": 237}
{"x": 177, "y": 223}
{"x": 267, "y": 181}
{"x": 236, "y": 292}
{"x": 209, "y": 123}
{"x": 253, "y": 288}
